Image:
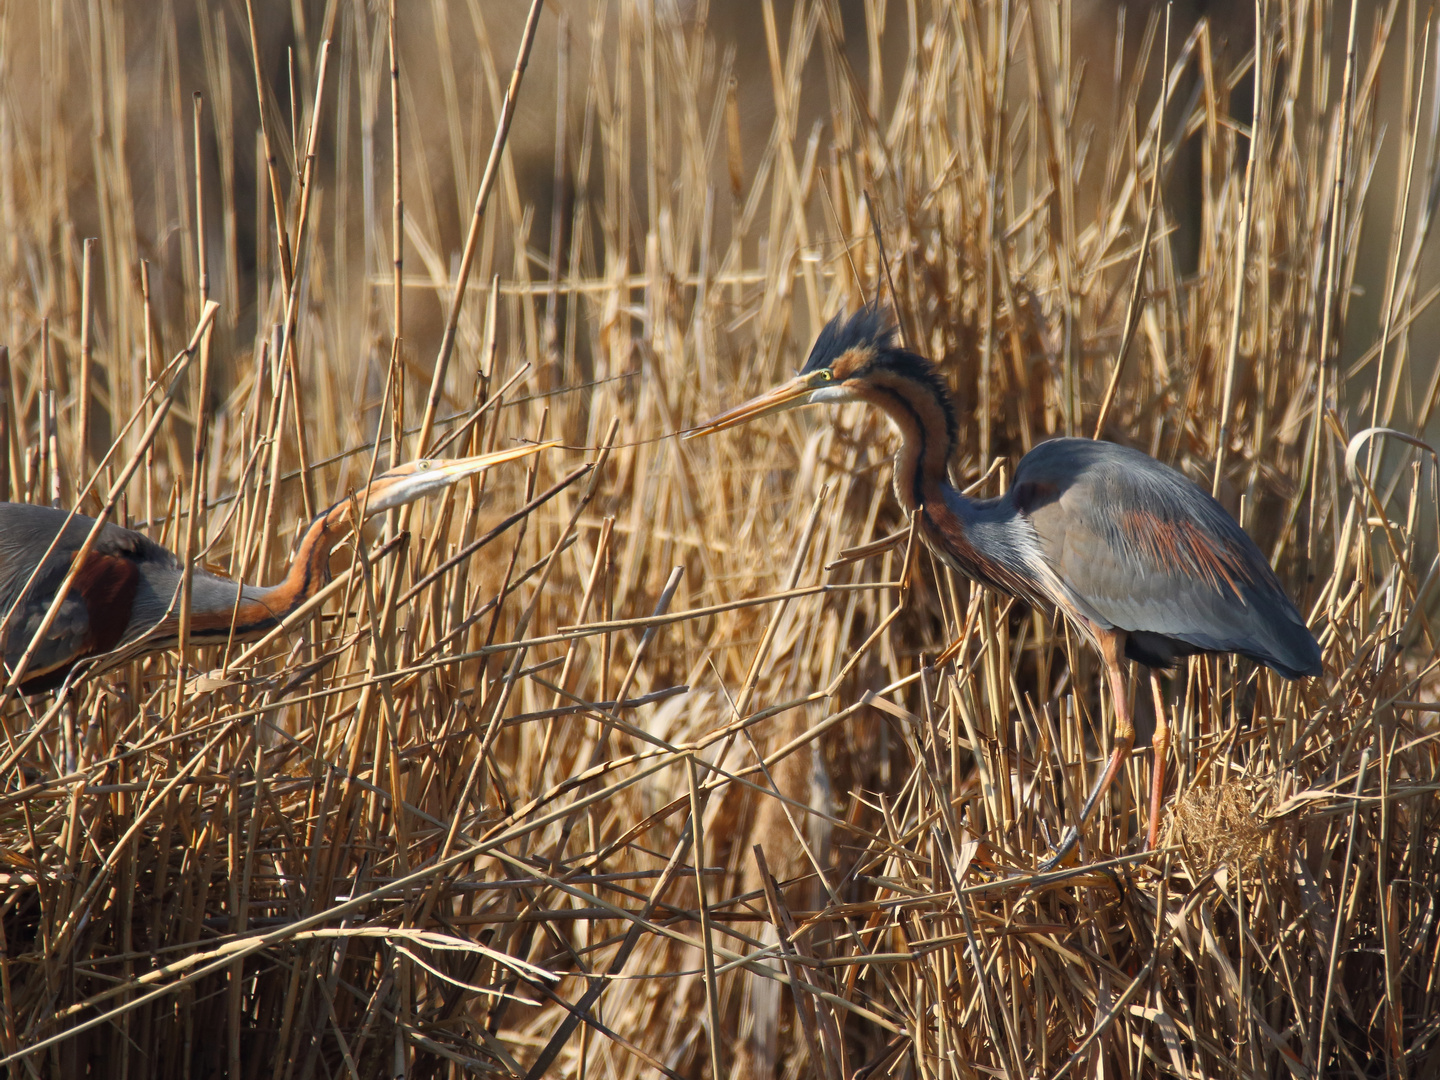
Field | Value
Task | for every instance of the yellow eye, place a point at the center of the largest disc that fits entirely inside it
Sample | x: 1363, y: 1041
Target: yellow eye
x: 826, y: 375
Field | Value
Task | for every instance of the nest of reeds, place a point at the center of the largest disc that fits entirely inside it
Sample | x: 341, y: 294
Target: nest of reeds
x: 1223, y: 825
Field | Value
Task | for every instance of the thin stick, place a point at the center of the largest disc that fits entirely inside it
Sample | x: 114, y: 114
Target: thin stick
x: 1341, y: 908
x: 5, y: 425
x: 885, y: 263
x: 149, y: 315
x: 49, y: 441
x: 202, y: 262
x: 1329, y: 298
x: 397, y: 263
x: 559, y: 191
x: 1137, y: 304
x: 472, y: 238
x: 397, y: 213
x: 87, y: 378
x: 286, y: 351
x: 263, y: 101
x: 697, y: 847
x: 992, y: 227
x: 1242, y: 249
x: 202, y: 411
x: 785, y: 929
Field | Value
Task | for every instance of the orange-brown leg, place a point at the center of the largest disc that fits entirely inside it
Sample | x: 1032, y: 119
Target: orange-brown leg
x: 1112, y: 648
x: 1160, y: 743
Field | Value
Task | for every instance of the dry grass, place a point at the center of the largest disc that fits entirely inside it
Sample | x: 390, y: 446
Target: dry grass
x: 463, y: 821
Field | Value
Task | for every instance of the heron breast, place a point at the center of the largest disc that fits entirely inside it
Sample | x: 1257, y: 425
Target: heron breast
x: 106, y: 584
x: 946, y: 534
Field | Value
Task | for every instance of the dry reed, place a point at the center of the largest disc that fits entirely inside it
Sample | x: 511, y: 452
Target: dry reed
x: 655, y: 780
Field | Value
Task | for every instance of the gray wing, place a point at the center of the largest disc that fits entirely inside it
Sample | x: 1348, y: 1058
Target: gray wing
x: 1146, y: 551
x: 66, y: 639
x: 98, y: 608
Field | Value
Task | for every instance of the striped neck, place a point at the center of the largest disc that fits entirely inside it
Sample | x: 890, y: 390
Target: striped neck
x: 913, y: 394
x: 309, y: 571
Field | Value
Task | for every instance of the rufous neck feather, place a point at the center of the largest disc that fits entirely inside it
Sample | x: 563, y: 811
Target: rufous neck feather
x: 310, y: 569
x: 921, y: 412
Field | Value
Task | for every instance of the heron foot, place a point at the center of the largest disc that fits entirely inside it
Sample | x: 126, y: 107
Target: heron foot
x: 1061, y: 853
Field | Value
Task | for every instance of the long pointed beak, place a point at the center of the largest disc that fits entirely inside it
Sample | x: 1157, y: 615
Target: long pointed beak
x: 785, y: 396
x: 453, y: 469
x: 408, y: 482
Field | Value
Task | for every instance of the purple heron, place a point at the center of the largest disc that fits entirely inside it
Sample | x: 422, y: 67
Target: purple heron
x: 1142, y: 562
x: 128, y: 587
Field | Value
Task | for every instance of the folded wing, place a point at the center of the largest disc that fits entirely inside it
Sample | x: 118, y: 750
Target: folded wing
x: 1146, y: 551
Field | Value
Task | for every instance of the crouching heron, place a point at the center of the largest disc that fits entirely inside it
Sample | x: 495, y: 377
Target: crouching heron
x: 126, y: 592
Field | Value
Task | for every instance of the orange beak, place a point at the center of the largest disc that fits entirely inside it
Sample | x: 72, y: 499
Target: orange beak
x: 787, y: 395
x: 410, y: 481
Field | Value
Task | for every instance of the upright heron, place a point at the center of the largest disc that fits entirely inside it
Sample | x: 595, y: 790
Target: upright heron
x: 126, y: 592
x: 1145, y: 564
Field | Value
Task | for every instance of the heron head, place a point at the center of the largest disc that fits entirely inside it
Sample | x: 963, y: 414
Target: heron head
x: 844, y: 355
x: 406, y: 483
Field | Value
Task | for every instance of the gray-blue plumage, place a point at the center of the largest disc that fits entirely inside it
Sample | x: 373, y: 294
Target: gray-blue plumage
x: 1138, y: 558
x: 131, y: 591
x: 1104, y: 532
x: 1140, y: 548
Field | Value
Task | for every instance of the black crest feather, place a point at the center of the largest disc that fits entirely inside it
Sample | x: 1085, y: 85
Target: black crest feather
x: 869, y: 328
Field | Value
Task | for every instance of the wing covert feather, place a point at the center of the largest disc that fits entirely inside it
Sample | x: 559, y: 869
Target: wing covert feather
x: 108, y: 582
x: 1150, y: 553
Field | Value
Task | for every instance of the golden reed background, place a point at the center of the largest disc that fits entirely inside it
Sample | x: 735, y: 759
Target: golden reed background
x: 416, y: 836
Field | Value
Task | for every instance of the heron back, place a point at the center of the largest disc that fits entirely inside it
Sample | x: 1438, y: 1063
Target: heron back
x: 1148, y: 552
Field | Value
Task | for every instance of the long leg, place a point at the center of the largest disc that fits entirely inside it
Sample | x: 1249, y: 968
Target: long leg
x: 1160, y: 743
x: 1112, y: 646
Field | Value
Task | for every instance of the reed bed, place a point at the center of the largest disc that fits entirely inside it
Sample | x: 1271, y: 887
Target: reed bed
x: 661, y: 778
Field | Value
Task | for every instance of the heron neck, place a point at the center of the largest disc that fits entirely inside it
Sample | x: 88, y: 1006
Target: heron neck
x: 310, y: 568
x: 221, y: 607
x: 926, y: 424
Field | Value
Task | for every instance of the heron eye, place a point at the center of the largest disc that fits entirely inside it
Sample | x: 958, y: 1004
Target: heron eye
x: 826, y: 375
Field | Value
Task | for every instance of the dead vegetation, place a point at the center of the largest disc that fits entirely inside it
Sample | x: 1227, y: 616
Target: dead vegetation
x: 655, y: 781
